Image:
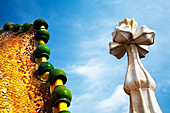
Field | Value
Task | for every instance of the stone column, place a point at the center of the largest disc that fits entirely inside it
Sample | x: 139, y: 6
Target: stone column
x: 139, y: 85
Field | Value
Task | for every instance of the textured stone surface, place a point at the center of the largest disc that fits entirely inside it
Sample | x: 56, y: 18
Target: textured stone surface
x: 139, y: 85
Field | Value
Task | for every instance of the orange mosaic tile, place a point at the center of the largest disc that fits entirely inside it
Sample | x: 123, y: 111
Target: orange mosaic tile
x: 18, y: 90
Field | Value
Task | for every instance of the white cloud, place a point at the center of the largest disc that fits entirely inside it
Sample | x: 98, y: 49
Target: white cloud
x: 163, y: 86
x: 84, y: 102
x: 93, y: 71
x: 90, y: 69
x: 96, y: 47
x: 113, y: 103
x: 96, y: 64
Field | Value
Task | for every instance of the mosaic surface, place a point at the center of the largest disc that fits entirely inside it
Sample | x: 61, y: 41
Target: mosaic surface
x: 20, y: 92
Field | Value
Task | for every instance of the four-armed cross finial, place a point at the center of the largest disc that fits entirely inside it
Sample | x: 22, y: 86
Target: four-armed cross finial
x: 139, y: 85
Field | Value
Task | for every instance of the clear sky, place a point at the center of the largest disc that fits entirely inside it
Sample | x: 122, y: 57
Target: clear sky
x: 80, y: 34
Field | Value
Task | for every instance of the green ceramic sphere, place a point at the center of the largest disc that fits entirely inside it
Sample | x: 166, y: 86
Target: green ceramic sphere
x: 44, y: 67
x: 42, y: 34
x: 40, y: 22
x: 64, y: 111
x: 27, y: 26
x: 42, y: 51
x: 8, y: 26
x: 16, y: 27
x: 55, y: 74
x: 61, y: 94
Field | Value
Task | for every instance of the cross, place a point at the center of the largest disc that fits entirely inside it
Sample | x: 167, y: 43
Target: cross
x: 139, y: 84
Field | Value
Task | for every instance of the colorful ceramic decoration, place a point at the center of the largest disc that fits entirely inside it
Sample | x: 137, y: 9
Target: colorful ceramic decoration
x: 27, y: 80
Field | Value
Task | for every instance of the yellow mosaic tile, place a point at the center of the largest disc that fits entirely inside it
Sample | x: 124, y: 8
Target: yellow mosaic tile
x: 18, y: 94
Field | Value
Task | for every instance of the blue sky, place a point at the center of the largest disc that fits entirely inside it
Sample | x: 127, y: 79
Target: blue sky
x: 80, y: 34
